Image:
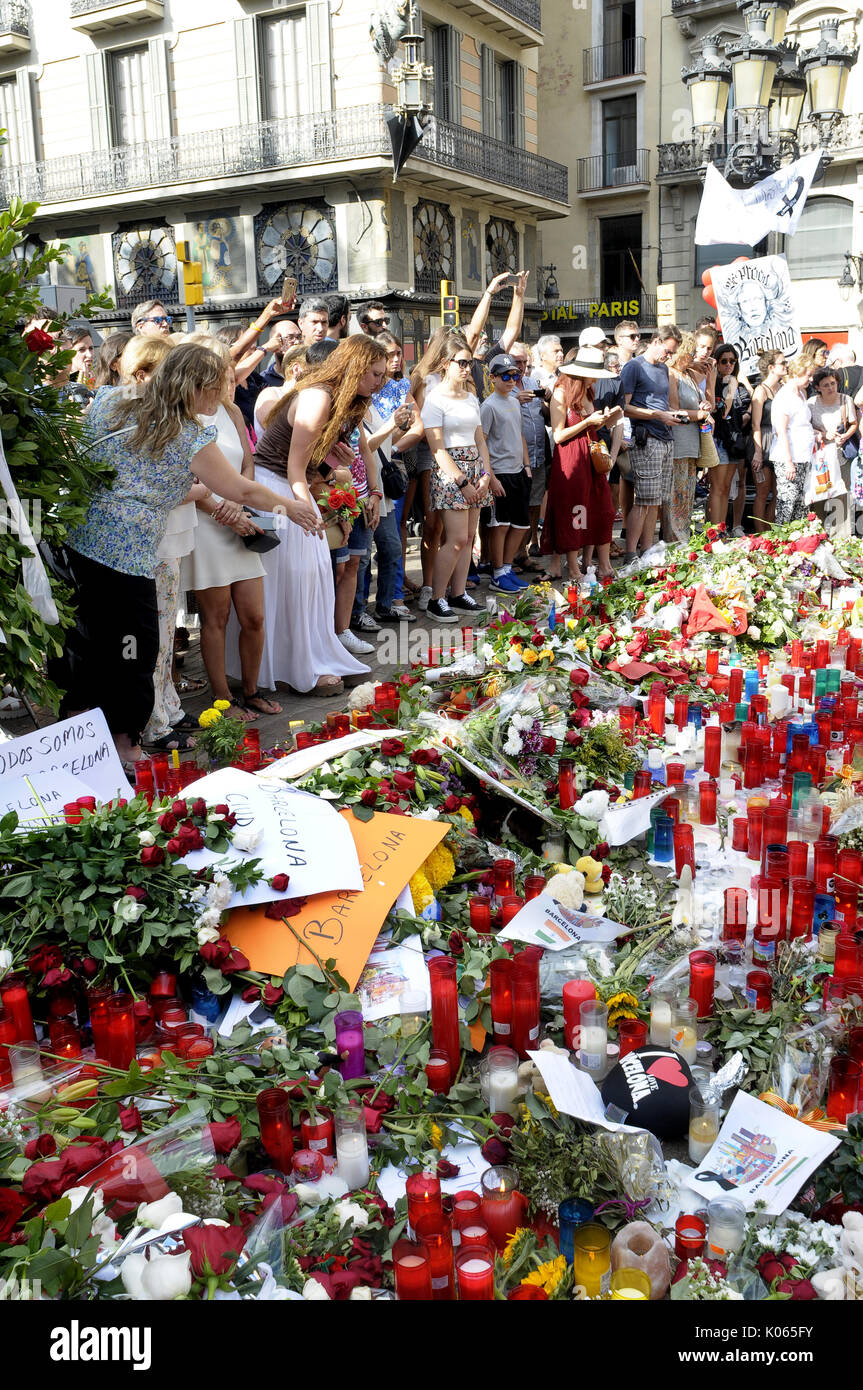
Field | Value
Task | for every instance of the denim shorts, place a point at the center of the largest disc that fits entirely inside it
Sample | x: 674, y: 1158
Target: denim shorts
x: 360, y: 538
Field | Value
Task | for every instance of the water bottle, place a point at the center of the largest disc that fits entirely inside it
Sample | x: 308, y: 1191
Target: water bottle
x: 589, y: 583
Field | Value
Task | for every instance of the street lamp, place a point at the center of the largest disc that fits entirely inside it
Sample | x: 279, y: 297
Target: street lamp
x: 413, y: 80
x: 775, y: 13
x: 754, y: 60
x: 788, y: 96
x: 550, y: 290
x: 852, y: 275
x: 708, y: 82
x: 826, y: 68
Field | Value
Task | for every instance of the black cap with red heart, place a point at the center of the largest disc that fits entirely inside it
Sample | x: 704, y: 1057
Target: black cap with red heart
x: 652, y: 1086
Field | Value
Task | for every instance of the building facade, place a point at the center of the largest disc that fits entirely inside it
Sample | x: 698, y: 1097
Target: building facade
x: 256, y: 131
x: 831, y: 221
x: 599, y: 110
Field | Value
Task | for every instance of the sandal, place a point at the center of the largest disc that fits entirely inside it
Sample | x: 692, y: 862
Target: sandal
x: 615, y: 549
x: 247, y: 702
x: 188, y: 686
x: 188, y: 722
x: 176, y: 741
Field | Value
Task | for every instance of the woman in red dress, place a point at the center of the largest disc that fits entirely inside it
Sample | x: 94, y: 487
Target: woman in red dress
x: 579, y: 510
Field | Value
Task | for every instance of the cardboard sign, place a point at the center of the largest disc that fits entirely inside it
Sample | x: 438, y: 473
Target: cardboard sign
x: 301, y: 835
x: 342, y: 926
x: 81, y: 747
x: 543, y: 922
x: 39, y: 800
x: 755, y: 304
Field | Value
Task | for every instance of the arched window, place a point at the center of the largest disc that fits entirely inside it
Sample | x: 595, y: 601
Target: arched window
x: 817, y: 249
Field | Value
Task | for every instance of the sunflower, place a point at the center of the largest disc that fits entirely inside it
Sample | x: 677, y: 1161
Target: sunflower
x: 514, y: 1243
x: 623, y: 1004
x: 437, y: 1137
x: 548, y: 1276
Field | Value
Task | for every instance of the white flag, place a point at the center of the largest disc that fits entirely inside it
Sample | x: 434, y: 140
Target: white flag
x: 745, y: 216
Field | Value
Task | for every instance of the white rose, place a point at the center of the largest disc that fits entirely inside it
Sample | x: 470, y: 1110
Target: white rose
x: 246, y: 840
x: 214, y: 817
x: 567, y: 889
x: 754, y: 632
x: 352, y: 1211
x: 78, y: 1195
x: 207, y: 935
x: 152, y: 1214
x: 165, y: 1277
x: 308, y: 1194
x: 128, y: 909
x: 132, y: 1275
x: 362, y: 696
x: 313, y: 1292
x: 361, y: 1294
x: 146, y: 837
x: 5, y: 960
x: 593, y: 805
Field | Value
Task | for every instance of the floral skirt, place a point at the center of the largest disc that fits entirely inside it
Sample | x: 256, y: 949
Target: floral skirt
x: 445, y: 495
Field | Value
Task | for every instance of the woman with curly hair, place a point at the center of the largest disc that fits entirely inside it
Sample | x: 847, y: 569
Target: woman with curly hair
x: 305, y: 439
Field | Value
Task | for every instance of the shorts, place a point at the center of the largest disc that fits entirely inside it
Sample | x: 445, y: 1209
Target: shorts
x: 652, y: 471
x: 512, y: 508
x: 445, y: 495
x: 424, y: 458
x: 538, y: 484
x: 358, y: 543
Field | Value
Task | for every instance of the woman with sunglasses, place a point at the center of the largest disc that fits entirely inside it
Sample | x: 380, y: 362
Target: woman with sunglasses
x: 460, y: 479
x: 732, y: 415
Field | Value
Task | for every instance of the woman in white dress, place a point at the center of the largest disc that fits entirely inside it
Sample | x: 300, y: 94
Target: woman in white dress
x: 305, y: 437
x: 223, y: 572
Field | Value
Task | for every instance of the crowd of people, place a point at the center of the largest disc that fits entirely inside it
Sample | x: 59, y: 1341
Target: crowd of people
x: 510, y: 462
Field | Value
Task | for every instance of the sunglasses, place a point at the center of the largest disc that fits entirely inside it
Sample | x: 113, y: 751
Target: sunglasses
x: 378, y: 322
x: 724, y: 360
x: 507, y: 376
x: 462, y: 361
x: 158, y: 319
x: 630, y: 335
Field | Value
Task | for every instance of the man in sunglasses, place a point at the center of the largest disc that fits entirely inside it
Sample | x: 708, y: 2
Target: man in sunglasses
x: 373, y: 319
x: 151, y: 318
x: 500, y: 414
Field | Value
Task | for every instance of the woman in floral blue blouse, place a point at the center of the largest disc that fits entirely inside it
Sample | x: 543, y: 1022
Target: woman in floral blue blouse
x: 155, y: 442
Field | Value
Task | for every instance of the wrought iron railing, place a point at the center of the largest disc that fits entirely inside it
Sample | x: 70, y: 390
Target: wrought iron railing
x: 528, y: 11
x: 85, y: 6
x: 623, y: 59
x: 15, y: 17
x: 842, y: 138
x: 351, y: 133
x: 618, y: 170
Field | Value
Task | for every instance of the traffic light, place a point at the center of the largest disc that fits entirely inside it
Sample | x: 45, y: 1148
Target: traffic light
x: 448, y: 304
x: 191, y: 284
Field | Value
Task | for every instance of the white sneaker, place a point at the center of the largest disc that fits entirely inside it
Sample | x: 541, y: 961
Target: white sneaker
x: 423, y: 600
x: 353, y: 644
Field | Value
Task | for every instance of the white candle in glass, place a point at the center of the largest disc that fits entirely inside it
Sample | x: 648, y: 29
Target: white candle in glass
x: 593, y: 1042
x: 703, y: 1133
x: 660, y: 1023
x: 685, y: 1041
x: 503, y: 1090
x: 352, y: 1153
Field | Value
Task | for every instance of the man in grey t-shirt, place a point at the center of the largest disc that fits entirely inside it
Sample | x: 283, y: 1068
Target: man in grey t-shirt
x: 500, y: 414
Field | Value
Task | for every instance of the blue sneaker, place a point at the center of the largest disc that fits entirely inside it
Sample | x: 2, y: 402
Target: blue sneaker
x: 517, y: 580
x: 506, y: 584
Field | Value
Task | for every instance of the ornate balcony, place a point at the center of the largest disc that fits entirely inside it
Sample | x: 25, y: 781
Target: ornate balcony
x: 608, y: 173
x: 517, y: 20
x: 15, y: 22
x: 94, y: 16
x: 687, y: 158
x: 612, y: 61
x: 328, y: 137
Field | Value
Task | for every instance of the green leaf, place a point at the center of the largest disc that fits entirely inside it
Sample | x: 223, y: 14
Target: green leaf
x: 361, y: 812
x: 19, y: 886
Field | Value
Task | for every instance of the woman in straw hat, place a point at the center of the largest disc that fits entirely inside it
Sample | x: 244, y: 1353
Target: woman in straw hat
x: 579, y: 508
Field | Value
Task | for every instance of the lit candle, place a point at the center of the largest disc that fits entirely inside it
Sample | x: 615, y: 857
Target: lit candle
x: 703, y: 1126
x: 412, y: 1270
x: 633, y: 1285
x: 660, y: 1015
x: 684, y: 1034
x: 591, y: 1258
x: 503, y: 1207
x: 727, y: 1227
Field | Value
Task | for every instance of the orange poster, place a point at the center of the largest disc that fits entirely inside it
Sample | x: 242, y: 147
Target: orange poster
x: 341, y: 926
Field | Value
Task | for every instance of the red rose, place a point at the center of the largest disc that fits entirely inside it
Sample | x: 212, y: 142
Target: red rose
x: 602, y: 850
x: 215, y: 953
x: 38, y: 341
x: 214, y: 1249
x: 391, y: 747
x: 251, y: 994
x: 225, y: 811
x: 708, y: 549
x: 405, y: 781
x: 43, y: 1147
x: 152, y: 855
x: 271, y: 994
x: 573, y: 739
x: 12, y: 1207
x: 537, y: 639
x: 175, y: 847
x: 606, y: 873
x: 198, y: 807
x: 56, y: 977
x: 89, y: 966
x: 167, y: 822
x: 369, y: 796
x: 802, y: 1291
x: 604, y: 642
x: 139, y: 894
x: 578, y: 677
x: 284, y: 907
x: 770, y: 1268
x: 452, y: 803
x: 279, y: 882
x: 225, y: 1134
x: 456, y: 943
x: 130, y: 1118
x: 494, y: 1151
x: 374, y: 1120
x: 549, y: 744
x: 445, y: 1169
x: 190, y: 838
x: 425, y: 757
x: 712, y: 533
x: 44, y: 958
x: 693, y: 555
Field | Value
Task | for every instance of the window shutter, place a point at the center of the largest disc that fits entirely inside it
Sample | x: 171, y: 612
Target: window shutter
x: 489, y: 93
x: 320, y: 58
x: 245, y: 57
x: 518, y: 134
x: 455, y: 38
x: 97, y: 100
x: 160, y: 88
x: 26, y: 124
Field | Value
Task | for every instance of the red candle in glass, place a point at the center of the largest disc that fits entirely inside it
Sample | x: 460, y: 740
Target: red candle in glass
x: 444, y: 1008
x: 163, y: 985
x: 740, y: 834
x: 575, y: 993
x: 822, y: 653
x: 775, y: 824
x: 642, y: 783
x: 798, y: 858
x: 16, y: 1001
x: 160, y: 770
x: 534, y: 884
x: 796, y: 652
x: 755, y: 817
x: 500, y: 980
x: 713, y: 749
x: 805, y: 689
x: 690, y: 1237
x: 802, y: 908
x: 736, y: 909
x: 436, y: 1235
x: 566, y: 793
x: 702, y: 979
x: 65, y: 1041
x: 480, y: 914
x: 318, y: 1132
x: 707, y: 803
x: 475, y: 1236
x: 308, y: 1165
x: 656, y: 707
x: 87, y: 803
x: 849, y: 866
x: 185, y: 1034
x: 439, y: 1072
x: 843, y: 1088
x: 97, y: 1003
x: 855, y: 1043
x: 675, y: 774
x: 711, y: 664
x: 684, y: 849
x: 72, y: 813
x: 424, y: 1198
x: 848, y: 958
x: 475, y: 1274
x: 631, y: 1033
x: 671, y: 807
x: 120, y: 1031
x: 509, y: 908
x: 504, y: 877
x: 144, y: 776
x: 274, y: 1115
x: 753, y: 765
x: 735, y: 685
x: 503, y: 1207
x: 412, y: 1271
x: 525, y: 1006
x: 626, y: 715
x: 681, y: 710
x: 759, y: 991
x: 8, y: 1034
x: 199, y: 1048
x: 466, y: 1210
x: 824, y: 871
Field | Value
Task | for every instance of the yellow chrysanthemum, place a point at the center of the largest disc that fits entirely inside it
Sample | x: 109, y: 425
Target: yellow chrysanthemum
x: 437, y: 1137
x: 221, y: 704
x: 421, y: 892
x: 439, y: 868
x: 510, y: 1250
x: 466, y: 814
x: 548, y: 1276
x: 208, y: 717
x: 581, y: 644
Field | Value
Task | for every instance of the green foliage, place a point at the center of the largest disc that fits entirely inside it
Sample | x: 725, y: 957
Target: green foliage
x: 42, y: 438
x: 842, y: 1172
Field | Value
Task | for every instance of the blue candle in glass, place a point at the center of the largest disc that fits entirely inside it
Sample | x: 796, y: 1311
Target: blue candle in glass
x: 663, y: 839
x: 350, y: 1044
x: 572, y: 1213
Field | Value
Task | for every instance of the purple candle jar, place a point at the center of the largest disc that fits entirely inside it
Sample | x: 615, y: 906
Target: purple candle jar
x: 350, y: 1044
